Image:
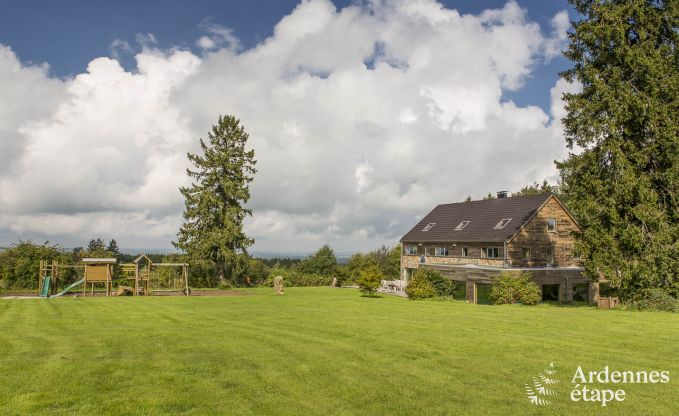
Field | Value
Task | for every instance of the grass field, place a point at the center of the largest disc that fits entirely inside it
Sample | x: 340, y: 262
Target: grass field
x: 318, y: 351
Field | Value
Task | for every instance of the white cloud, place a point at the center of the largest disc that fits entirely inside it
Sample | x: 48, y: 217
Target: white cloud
x: 28, y: 93
x: 559, y: 39
x: 362, y: 119
x: 119, y: 48
x: 218, y: 37
x: 147, y: 40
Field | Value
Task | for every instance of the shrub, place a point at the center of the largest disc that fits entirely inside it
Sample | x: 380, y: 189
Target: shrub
x: 294, y: 278
x: 370, y: 280
x: 443, y: 286
x: 420, y: 287
x: 510, y: 288
x: 654, y: 299
x: 225, y: 285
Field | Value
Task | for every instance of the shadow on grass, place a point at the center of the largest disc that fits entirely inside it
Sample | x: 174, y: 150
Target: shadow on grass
x: 372, y: 295
x: 575, y: 304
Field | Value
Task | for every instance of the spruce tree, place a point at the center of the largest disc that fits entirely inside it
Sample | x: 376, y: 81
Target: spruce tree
x: 215, y: 202
x: 621, y: 179
x: 113, y: 248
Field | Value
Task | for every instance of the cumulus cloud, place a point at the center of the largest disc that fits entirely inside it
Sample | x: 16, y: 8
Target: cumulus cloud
x: 362, y: 120
x: 560, y: 25
x: 218, y: 37
x: 28, y: 93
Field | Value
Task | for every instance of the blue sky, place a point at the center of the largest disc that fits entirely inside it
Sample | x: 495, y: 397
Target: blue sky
x: 70, y: 33
x: 363, y: 115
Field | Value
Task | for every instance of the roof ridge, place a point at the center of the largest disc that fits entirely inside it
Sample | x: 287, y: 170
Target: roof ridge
x: 546, y: 194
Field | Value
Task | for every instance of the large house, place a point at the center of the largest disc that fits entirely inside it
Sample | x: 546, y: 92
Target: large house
x: 473, y: 241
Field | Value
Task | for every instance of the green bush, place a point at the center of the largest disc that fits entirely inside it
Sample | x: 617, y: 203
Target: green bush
x: 225, y: 285
x: 20, y: 264
x: 510, y: 288
x: 443, y: 286
x: 420, y: 287
x: 370, y: 280
x: 654, y: 299
x: 294, y: 278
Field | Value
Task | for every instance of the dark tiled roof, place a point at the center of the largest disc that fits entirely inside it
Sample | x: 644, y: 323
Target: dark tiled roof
x: 483, y: 216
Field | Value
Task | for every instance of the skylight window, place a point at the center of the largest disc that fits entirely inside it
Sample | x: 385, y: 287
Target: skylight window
x: 429, y: 226
x: 503, y: 223
x: 461, y: 225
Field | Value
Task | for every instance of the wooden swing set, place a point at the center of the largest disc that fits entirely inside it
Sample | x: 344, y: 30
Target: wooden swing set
x: 101, y: 271
x: 141, y: 270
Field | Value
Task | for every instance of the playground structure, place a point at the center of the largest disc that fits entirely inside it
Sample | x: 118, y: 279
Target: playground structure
x: 145, y: 274
x: 49, y: 276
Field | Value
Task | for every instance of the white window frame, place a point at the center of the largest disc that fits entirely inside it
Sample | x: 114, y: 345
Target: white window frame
x: 549, y: 221
x: 429, y: 226
x: 500, y: 224
x: 441, y: 251
x: 485, y: 250
x: 411, y: 250
x: 465, y: 252
x: 461, y: 225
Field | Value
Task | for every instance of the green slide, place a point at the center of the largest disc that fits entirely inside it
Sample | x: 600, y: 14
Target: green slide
x: 45, y: 287
x: 63, y: 292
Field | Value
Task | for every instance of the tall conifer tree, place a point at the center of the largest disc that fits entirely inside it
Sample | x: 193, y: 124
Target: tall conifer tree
x: 622, y: 178
x: 215, y: 202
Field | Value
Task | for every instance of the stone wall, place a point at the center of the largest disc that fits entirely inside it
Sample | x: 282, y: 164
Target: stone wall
x: 538, y: 239
x: 413, y: 262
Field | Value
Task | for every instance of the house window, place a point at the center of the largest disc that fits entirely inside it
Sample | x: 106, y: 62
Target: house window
x: 461, y: 225
x: 429, y: 226
x: 549, y: 256
x: 411, y: 250
x: 441, y: 251
x: 428, y: 251
x: 465, y: 252
x: 525, y: 253
x: 551, y: 224
x: 503, y: 223
x: 491, y: 252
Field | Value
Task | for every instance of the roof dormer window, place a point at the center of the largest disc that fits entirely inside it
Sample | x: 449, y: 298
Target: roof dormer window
x: 503, y: 223
x: 461, y: 225
x: 429, y: 226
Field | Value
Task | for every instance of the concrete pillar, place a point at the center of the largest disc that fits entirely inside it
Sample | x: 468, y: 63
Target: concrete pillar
x: 470, y: 290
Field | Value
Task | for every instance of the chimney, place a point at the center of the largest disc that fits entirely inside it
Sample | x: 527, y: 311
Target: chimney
x: 502, y: 194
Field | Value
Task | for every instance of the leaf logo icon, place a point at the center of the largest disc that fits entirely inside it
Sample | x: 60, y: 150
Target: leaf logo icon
x: 538, y: 390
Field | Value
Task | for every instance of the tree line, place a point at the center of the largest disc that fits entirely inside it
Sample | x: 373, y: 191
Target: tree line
x: 19, y: 266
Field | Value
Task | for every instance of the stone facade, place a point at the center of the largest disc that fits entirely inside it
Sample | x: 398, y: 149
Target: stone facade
x: 535, y: 237
x: 551, y: 261
x: 412, y: 262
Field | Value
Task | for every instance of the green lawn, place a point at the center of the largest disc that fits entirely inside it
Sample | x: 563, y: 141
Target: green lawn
x: 318, y: 351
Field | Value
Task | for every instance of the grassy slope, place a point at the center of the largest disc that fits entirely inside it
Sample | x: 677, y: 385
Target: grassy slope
x: 316, y: 350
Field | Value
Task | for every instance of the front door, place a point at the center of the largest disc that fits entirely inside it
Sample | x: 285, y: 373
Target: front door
x: 482, y: 294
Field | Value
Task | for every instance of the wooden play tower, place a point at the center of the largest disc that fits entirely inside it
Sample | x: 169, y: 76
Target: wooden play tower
x: 103, y: 271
